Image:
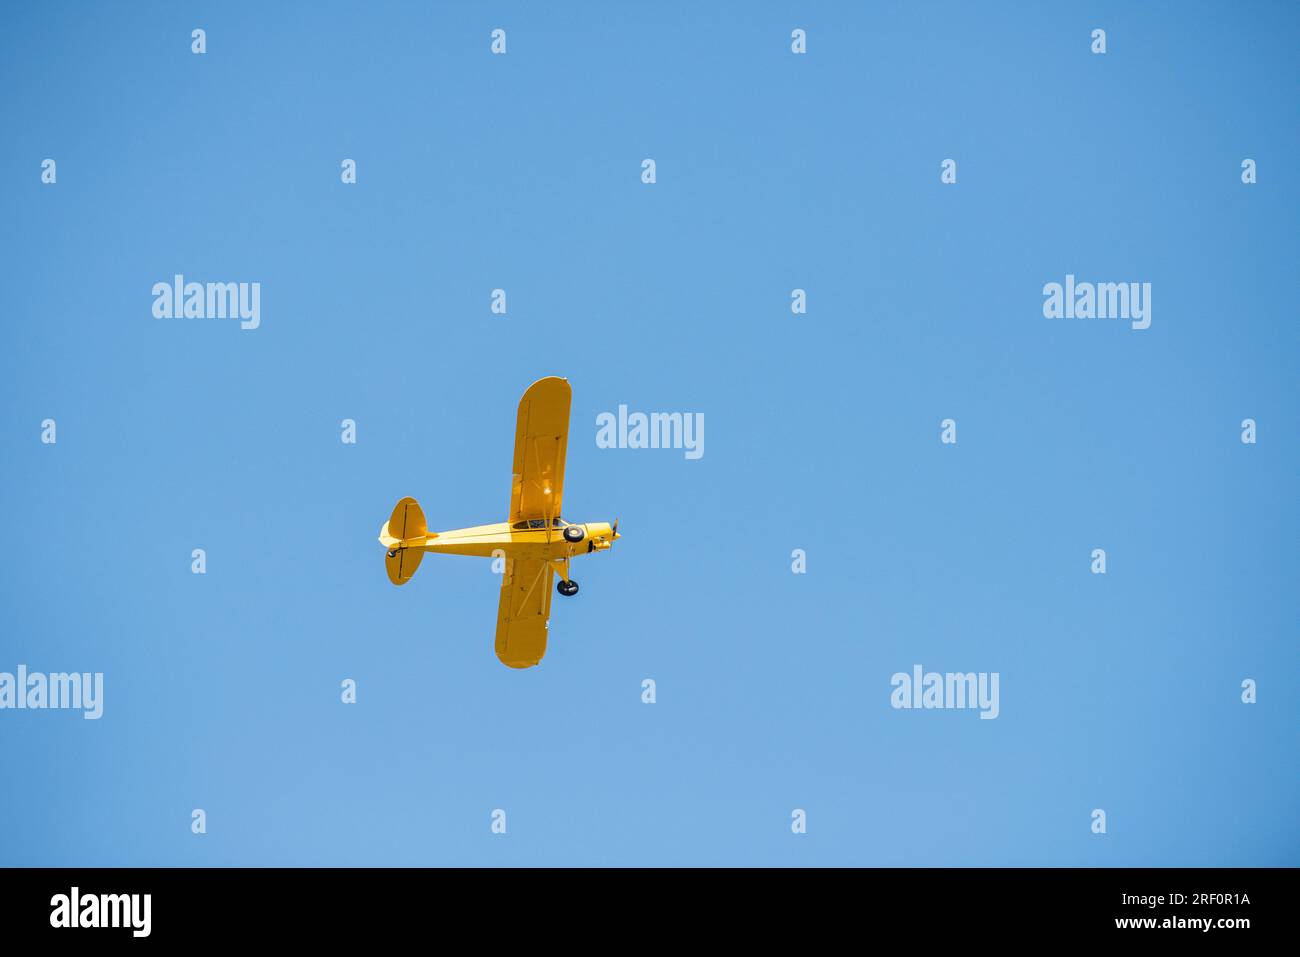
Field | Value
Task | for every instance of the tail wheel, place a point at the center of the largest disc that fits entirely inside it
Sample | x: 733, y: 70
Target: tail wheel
x: 567, y: 589
x: 574, y: 533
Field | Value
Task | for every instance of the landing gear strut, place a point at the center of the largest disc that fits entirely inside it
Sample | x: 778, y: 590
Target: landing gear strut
x: 567, y: 589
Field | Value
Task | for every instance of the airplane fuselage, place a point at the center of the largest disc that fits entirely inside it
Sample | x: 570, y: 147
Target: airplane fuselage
x: 514, y: 541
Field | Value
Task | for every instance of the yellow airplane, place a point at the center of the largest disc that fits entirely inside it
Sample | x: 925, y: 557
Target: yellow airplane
x: 536, y: 542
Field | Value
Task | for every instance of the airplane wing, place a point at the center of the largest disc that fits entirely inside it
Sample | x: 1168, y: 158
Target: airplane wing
x: 541, y: 437
x: 525, y: 606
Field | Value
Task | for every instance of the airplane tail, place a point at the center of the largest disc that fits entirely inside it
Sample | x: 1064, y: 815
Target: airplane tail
x: 402, y: 535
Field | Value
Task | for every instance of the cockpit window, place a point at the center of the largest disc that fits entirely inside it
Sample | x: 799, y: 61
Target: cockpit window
x: 538, y: 523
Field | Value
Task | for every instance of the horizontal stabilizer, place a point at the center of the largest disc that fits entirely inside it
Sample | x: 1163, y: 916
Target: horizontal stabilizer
x: 408, y: 520
x: 402, y: 565
x: 404, y: 535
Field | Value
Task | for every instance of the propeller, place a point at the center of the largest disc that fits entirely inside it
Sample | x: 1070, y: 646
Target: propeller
x: 613, y: 532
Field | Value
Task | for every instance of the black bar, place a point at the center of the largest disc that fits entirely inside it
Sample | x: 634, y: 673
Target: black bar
x: 335, y: 905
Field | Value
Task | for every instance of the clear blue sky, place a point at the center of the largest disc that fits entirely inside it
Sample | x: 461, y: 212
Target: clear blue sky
x: 775, y: 172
